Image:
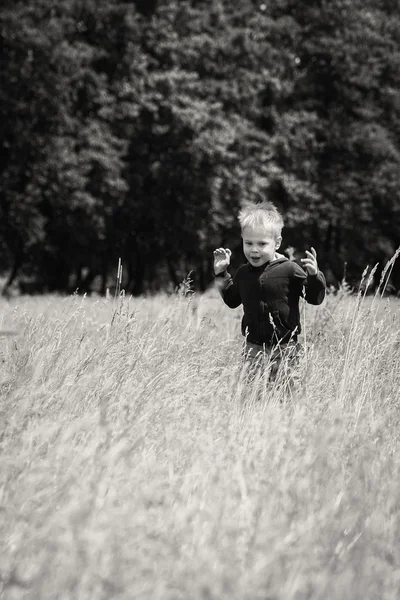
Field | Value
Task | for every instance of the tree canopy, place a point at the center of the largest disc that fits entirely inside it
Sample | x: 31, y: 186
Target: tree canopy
x: 135, y: 130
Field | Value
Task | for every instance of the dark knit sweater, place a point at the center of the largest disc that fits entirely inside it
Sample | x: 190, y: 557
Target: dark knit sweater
x: 270, y: 296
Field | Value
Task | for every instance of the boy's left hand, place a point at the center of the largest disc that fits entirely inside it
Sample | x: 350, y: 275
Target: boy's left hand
x: 310, y: 262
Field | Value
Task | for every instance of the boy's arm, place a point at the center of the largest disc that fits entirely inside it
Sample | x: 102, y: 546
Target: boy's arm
x: 314, y: 285
x: 229, y: 289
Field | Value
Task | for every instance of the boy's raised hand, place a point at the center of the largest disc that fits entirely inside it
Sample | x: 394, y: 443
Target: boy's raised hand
x: 310, y: 262
x: 222, y: 259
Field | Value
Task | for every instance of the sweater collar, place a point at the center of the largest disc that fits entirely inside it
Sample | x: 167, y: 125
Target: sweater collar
x: 278, y: 258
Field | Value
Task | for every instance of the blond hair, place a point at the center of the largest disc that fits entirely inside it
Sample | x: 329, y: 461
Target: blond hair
x: 263, y: 214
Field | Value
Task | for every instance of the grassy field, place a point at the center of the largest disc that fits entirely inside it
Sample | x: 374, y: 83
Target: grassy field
x: 136, y: 464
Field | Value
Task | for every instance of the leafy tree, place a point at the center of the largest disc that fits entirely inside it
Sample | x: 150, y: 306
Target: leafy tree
x: 136, y: 129
x: 348, y: 81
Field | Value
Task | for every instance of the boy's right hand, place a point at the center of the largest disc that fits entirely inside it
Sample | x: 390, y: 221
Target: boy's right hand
x: 222, y: 259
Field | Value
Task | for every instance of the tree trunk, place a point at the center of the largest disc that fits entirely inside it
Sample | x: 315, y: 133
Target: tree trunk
x: 138, y: 276
x: 86, y: 285
x: 17, y: 264
x: 104, y: 277
x: 172, y: 273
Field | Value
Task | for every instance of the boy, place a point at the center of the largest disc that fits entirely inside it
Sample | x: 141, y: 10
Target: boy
x: 269, y: 286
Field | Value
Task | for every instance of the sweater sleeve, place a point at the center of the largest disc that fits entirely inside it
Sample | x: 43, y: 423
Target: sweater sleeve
x: 314, y: 285
x: 229, y: 289
x: 315, y: 288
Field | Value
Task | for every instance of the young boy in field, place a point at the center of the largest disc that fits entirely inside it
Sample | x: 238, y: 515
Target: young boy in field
x: 269, y: 287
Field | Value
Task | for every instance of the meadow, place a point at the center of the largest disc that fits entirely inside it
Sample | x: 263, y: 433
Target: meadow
x: 137, y: 463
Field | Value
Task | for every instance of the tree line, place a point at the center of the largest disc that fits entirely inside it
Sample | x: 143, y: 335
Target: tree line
x: 135, y: 129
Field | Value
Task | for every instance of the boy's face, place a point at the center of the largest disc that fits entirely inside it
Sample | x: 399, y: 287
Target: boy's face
x: 259, y: 245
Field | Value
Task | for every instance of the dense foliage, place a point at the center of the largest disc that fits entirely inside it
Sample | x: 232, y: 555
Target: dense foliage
x: 136, y: 129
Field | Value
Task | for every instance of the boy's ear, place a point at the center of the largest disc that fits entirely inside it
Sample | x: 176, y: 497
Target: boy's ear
x: 278, y: 242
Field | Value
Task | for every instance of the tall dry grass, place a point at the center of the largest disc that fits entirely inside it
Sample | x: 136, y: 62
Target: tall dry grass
x: 135, y: 463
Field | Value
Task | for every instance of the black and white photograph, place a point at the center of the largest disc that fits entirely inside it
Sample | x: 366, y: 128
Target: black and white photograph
x: 199, y: 300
